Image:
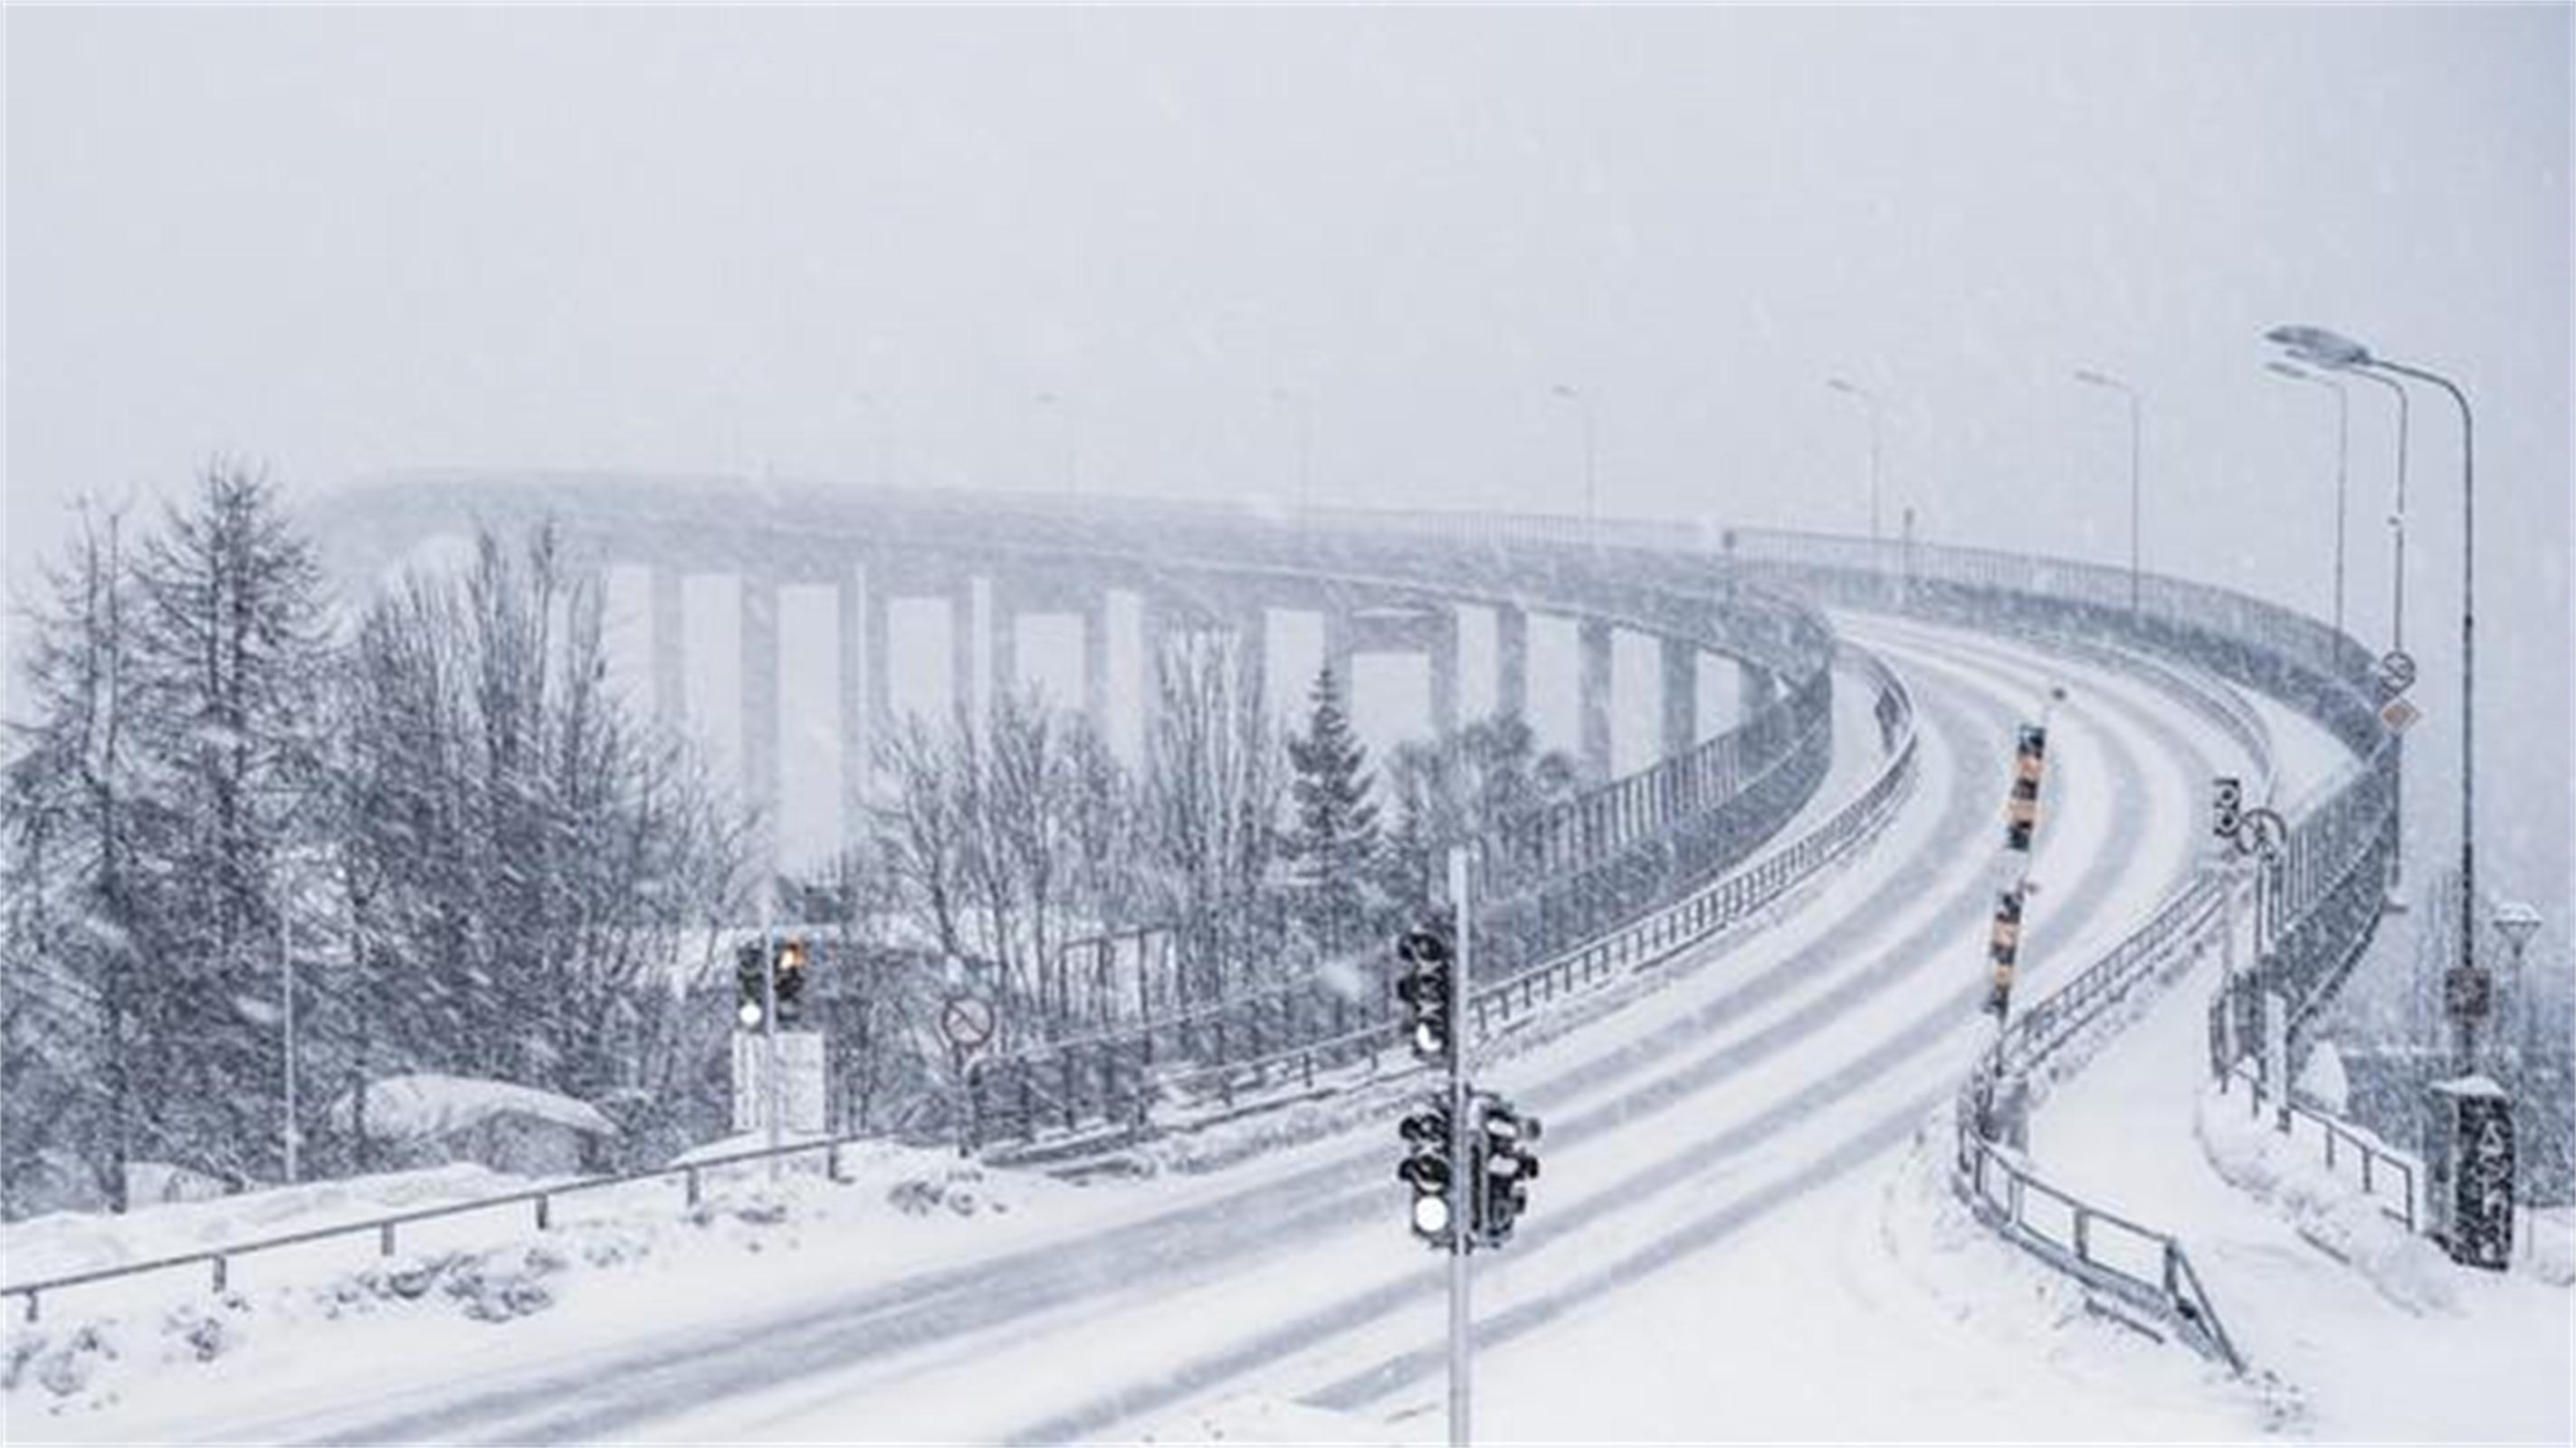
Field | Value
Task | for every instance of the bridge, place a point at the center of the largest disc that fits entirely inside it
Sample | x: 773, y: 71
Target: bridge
x: 1879, y: 680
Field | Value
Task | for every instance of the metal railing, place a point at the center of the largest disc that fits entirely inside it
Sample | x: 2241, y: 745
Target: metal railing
x: 1112, y: 1081
x: 386, y: 1228
x: 2141, y: 1266
x: 2383, y: 1174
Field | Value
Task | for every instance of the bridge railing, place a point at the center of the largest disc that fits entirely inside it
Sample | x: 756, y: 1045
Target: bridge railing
x: 2317, y: 900
x: 2386, y: 1175
x: 1122, y: 1080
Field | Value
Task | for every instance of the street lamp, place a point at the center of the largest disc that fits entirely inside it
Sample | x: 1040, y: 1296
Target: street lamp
x: 2319, y: 347
x: 1591, y: 477
x: 1065, y: 410
x: 2343, y: 457
x: 1869, y: 401
x: 2092, y: 378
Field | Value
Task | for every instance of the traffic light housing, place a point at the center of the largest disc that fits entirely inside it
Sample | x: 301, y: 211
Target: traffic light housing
x: 1424, y: 989
x: 1506, y: 1148
x: 2021, y: 810
x: 2003, y: 950
x: 1427, y: 1169
x: 792, y: 958
x: 751, y: 994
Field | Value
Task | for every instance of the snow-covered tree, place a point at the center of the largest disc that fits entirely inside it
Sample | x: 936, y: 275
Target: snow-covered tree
x: 1335, y: 842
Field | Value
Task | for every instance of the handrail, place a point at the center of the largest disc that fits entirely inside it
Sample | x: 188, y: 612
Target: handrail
x: 2373, y: 1158
x: 386, y: 1225
x: 1125, y: 1085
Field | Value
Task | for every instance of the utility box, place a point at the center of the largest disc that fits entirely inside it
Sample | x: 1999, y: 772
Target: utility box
x: 2468, y: 1170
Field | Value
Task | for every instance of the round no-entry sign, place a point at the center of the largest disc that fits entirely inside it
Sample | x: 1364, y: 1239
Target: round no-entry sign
x: 2396, y: 671
x: 967, y: 1021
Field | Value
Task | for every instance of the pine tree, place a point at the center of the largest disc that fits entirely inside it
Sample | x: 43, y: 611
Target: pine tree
x: 1336, y: 845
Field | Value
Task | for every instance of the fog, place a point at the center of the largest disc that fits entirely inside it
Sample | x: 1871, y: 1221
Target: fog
x: 1137, y: 251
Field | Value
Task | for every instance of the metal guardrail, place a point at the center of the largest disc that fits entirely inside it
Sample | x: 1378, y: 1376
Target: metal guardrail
x: 2148, y: 1269
x: 2375, y: 1164
x: 1112, y: 1081
x: 2318, y: 899
x: 386, y: 1228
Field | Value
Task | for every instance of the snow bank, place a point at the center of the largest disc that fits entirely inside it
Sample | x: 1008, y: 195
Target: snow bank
x: 2327, y: 1210
x: 96, y: 1347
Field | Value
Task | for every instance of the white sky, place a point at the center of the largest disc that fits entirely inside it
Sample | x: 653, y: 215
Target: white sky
x: 345, y: 241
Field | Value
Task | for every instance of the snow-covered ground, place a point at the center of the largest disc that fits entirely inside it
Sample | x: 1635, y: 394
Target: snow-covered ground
x: 1741, y: 1231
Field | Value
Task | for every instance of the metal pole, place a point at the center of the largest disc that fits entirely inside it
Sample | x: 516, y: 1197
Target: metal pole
x: 1461, y: 1190
x: 1591, y: 477
x: 2468, y: 683
x: 2136, y: 425
x: 769, y: 1040
x: 2343, y: 456
x: 286, y: 973
x: 1873, y: 476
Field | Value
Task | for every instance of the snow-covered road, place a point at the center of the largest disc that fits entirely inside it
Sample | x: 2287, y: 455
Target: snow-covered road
x: 1719, y: 1103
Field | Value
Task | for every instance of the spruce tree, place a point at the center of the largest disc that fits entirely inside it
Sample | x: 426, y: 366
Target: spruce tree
x: 1336, y: 842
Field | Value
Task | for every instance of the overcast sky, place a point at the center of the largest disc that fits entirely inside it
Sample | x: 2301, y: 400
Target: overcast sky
x: 350, y: 241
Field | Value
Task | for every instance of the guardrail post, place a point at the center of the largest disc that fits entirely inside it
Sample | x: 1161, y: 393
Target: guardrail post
x: 2083, y: 1234
x: 545, y: 1213
x: 385, y: 1240
x: 832, y: 1163
x: 220, y: 1273
x: 2365, y: 1169
x: 691, y: 1177
x: 1072, y: 1095
x: 31, y: 1307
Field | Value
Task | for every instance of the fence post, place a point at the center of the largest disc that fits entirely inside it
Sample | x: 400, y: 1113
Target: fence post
x: 219, y: 1272
x: 385, y: 1240
x: 832, y: 1163
x: 31, y: 1307
x: 691, y: 1177
x: 543, y: 1213
x: 2365, y: 1171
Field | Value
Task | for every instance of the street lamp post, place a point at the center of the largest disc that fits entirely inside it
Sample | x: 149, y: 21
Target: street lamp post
x: 1869, y: 402
x: 1591, y: 476
x: 2093, y: 378
x: 2321, y: 348
x: 2343, y: 458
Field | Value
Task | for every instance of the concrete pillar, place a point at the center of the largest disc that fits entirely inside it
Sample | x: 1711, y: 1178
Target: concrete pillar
x: 1095, y: 664
x: 878, y: 623
x: 1443, y: 657
x: 1592, y: 648
x: 1252, y: 654
x: 759, y: 619
x: 670, y: 647
x: 1754, y: 688
x: 961, y: 649
x: 1002, y: 648
x: 1681, y: 696
x: 1511, y: 661
x: 857, y: 767
x: 1338, y: 655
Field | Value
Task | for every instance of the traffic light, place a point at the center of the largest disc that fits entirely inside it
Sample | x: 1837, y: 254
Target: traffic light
x: 791, y: 983
x: 2226, y: 806
x: 1426, y: 1169
x: 1506, y: 1147
x: 1424, y: 989
x: 751, y: 987
x: 2005, y: 948
x: 2021, y: 811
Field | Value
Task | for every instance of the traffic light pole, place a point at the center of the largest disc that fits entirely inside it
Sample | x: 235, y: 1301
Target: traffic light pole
x: 769, y: 1040
x: 1461, y: 1184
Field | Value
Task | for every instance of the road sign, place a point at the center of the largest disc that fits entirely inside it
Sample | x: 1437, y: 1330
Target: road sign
x: 967, y: 1021
x: 2396, y: 671
x: 2399, y: 715
x: 2262, y: 833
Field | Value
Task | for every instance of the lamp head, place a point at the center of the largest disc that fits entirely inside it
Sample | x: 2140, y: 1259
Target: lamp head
x: 2517, y: 921
x: 2319, y: 347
